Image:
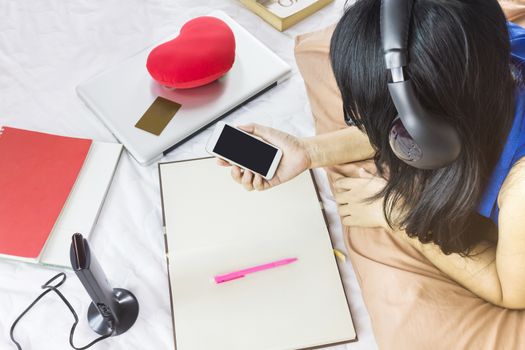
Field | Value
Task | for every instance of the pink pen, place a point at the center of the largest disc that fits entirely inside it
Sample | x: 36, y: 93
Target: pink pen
x: 241, y: 273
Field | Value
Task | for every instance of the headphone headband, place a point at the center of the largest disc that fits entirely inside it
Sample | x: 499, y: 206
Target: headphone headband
x: 395, y: 25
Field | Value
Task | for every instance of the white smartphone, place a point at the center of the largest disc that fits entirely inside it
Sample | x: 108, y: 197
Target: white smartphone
x: 244, y: 150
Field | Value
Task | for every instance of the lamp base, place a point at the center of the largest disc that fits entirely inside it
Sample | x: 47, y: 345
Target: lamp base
x: 127, y: 313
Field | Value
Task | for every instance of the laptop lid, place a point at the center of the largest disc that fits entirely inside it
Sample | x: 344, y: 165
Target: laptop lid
x: 120, y: 96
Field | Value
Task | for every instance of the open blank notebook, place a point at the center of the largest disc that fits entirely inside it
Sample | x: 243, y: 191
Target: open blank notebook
x: 213, y: 226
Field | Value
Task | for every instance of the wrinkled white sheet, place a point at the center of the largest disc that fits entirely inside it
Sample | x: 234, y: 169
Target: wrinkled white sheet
x: 47, y: 47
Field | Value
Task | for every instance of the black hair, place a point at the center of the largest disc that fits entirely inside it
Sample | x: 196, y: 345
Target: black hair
x: 460, y: 65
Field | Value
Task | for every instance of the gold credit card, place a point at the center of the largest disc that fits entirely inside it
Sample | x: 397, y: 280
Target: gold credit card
x: 158, y: 115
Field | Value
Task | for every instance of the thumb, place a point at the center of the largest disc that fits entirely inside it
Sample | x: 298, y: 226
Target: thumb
x: 264, y: 132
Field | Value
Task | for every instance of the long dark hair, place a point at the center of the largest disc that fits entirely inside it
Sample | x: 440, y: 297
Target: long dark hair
x: 460, y: 65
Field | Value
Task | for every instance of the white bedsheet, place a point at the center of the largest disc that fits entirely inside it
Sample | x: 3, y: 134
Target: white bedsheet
x: 47, y: 47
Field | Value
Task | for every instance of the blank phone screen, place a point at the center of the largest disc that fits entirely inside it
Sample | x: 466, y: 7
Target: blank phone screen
x: 245, y: 150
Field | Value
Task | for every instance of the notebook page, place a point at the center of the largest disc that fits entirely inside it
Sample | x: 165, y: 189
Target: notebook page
x: 83, y: 205
x: 213, y: 227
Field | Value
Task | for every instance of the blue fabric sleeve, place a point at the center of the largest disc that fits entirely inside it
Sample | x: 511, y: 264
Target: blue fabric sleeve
x: 517, y: 44
x: 514, y: 148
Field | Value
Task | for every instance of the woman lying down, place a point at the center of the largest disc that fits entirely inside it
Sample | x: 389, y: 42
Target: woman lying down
x: 433, y: 91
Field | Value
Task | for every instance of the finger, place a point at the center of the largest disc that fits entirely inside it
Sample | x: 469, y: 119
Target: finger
x: 343, y: 197
x: 258, y: 130
x: 258, y: 182
x: 274, y: 181
x: 222, y: 162
x: 352, y: 170
x: 247, y: 180
x: 236, y: 174
x: 344, y: 210
x: 338, y: 190
x: 336, y: 180
x: 267, y: 185
x: 370, y: 168
x: 365, y: 174
x: 345, y: 183
x: 348, y: 221
x: 336, y: 177
x: 248, y: 128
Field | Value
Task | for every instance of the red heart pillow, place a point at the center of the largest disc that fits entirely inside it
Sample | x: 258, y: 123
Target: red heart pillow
x: 203, y: 52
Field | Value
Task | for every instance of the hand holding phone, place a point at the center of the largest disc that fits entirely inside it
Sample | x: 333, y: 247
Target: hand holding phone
x: 295, y: 158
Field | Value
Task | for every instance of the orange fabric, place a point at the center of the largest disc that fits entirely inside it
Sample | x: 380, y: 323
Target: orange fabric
x: 411, y: 303
x: 514, y: 10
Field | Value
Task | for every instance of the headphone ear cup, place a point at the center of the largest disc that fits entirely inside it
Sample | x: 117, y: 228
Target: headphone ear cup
x: 402, y: 144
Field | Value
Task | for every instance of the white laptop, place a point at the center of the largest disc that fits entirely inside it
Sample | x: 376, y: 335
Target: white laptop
x: 121, y: 95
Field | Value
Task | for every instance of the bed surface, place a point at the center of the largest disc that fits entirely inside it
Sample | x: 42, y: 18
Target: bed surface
x: 46, y: 49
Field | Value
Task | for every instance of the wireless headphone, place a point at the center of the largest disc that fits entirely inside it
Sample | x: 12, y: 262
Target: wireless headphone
x: 418, y: 137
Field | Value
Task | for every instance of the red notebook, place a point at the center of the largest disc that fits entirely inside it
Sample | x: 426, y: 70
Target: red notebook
x: 37, y: 173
